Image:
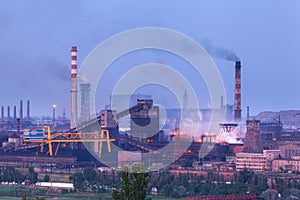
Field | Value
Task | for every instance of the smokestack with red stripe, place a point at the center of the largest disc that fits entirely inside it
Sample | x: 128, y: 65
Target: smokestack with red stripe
x: 73, y: 87
x: 237, y: 102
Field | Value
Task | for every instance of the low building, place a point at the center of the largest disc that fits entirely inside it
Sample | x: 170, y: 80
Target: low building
x: 224, y: 197
x: 292, y: 164
x: 251, y: 161
x: 16, y: 140
x: 257, y: 161
x: 290, y: 150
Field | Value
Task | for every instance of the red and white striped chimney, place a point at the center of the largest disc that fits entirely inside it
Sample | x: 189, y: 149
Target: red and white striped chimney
x: 73, y: 87
x: 237, y: 101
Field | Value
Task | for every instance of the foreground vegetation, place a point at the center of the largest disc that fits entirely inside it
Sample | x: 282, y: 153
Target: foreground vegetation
x: 95, y: 185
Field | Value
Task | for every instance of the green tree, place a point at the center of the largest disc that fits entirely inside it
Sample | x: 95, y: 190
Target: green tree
x: 33, y: 176
x: 90, y: 175
x: 134, y: 184
x: 290, y: 194
x: 9, y: 174
x: 245, y: 176
x: 78, y: 180
x: 179, y: 191
x: 46, y: 178
x: 270, y: 194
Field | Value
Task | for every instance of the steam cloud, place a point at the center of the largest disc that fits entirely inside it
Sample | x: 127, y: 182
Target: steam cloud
x: 219, y: 52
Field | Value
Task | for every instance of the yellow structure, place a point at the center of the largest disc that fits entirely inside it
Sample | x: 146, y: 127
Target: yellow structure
x: 68, y: 137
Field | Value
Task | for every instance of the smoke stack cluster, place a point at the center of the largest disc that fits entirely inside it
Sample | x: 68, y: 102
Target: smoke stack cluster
x: 73, y: 87
x: 14, y: 118
x: 237, y: 101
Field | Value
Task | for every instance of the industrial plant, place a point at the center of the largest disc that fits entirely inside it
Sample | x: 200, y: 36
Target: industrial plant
x: 261, y: 143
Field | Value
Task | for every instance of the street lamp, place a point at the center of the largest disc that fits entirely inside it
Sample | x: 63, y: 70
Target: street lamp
x: 53, y: 118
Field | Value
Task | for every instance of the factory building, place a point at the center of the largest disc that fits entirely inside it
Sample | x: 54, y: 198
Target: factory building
x: 253, y: 142
x: 257, y: 161
x: 144, y: 120
x: 281, y: 165
x: 107, y: 119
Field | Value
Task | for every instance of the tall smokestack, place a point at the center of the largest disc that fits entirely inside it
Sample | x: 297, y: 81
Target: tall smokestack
x: 8, y: 113
x: 248, y: 112
x: 21, y: 109
x: 222, y: 102
x: 237, y: 102
x: 73, y: 87
x: 2, y: 114
x: 15, y: 113
x: 28, y: 110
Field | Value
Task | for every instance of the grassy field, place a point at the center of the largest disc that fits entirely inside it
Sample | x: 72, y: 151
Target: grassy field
x: 16, y: 193
x: 55, y: 177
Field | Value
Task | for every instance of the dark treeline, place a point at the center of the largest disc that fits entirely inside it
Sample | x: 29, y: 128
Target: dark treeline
x: 10, y: 174
x: 175, y: 186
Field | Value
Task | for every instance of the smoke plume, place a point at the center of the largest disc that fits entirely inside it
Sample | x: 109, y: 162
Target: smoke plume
x: 220, y: 52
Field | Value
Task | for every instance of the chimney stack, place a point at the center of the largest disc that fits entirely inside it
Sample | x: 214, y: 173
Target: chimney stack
x: 21, y: 109
x: 8, y: 113
x: 15, y: 113
x: 28, y: 110
x: 237, y: 102
x: 73, y: 87
x: 222, y: 102
x: 248, y: 112
x: 2, y: 114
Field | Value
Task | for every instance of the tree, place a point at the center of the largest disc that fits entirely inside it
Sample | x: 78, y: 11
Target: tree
x: 90, y: 175
x: 245, y: 176
x: 9, y: 174
x: 46, y: 178
x: 134, y: 184
x: 180, y: 191
x: 290, y: 194
x: 270, y: 194
x: 33, y: 176
x: 78, y: 180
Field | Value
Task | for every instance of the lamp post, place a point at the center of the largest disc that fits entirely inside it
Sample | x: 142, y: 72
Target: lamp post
x: 53, y: 118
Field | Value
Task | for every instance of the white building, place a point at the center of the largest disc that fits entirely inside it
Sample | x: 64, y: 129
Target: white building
x: 257, y: 161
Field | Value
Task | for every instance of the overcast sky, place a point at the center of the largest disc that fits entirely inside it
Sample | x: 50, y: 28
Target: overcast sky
x: 36, y: 38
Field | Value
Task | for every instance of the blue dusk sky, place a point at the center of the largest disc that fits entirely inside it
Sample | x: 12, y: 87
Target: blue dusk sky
x: 36, y: 38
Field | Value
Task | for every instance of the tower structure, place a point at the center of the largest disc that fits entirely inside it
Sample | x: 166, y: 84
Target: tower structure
x: 15, y: 113
x: 237, y: 101
x: 2, y: 114
x: 253, y: 142
x: 73, y: 87
x: 21, y: 109
x: 85, y: 89
x: 8, y: 113
x: 28, y: 110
